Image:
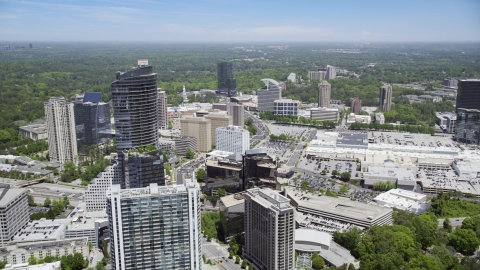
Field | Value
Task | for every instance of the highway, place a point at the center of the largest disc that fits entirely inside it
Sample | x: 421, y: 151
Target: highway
x: 456, y: 222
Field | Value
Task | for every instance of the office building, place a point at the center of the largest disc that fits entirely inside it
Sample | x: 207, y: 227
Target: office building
x: 324, y: 92
x: 184, y: 142
x: 356, y: 106
x: 379, y: 118
x: 96, y: 118
x: 404, y: 200
x: 143, y: 167
x: 34, y: 131
x: 95, y: 193
x: 232, y: 139
x: 233, y: 206
x: 237, y: 112
x: 385, y: 98
x: 317, y: 75
x: 331, y: 73
x: 268, y: 94
x: 218, y: 120
x: 447, y: 121
x: 155, y: 227
x: 162, y: 110
x: 62, y: 139
x: 468, y: 94
x: 468, y: 125
x: 450, y: 82
x: 292, y: 77
x: 18, y: 253
x: 227, y: 84
x: 135, y: 107
x: 324, y: 114
x: 201, y: 129
x: 14, y: 211
x: 286, y: 107
x: 269, y: 230
x: 219, y: 106
x: 258, y: 168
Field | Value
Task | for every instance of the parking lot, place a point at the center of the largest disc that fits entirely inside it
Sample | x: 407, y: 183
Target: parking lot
x: 280, y: 149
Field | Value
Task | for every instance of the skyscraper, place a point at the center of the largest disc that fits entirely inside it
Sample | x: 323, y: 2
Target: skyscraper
x: 155, y: 227
x: 62, y: 139
x: 468, y: 94
x: 268, y: 94
x: 467, y: 129
x: 218, y: 120
x: 331, y: 73
x: 356, y: 105
x: 227, y: 84
x: 201, y: 129
x: 142, y: 168
x: 269, y: 230
x: 135, y: 107
x: 385, y: 98
x: 162, y: 110
x: 96, y: 117
x: 324, y: 92
x: 237, y: 112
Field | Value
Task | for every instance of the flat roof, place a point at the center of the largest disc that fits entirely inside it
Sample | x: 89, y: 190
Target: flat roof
x: 352, y: 139
x: 215, y: 163
x: 406, y: 174
x: 314, y: 236
x: 339, y: 206
x: 9, y: 195
x: 232, y: 200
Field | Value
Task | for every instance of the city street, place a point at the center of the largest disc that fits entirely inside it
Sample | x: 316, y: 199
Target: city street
x: 218, y: 254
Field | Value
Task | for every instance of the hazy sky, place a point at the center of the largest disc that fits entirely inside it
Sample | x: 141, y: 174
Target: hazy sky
x: 240, y: 20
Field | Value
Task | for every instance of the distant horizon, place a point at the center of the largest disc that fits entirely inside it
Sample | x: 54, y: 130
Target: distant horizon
x: 245, y: 21
x: 278, y: 43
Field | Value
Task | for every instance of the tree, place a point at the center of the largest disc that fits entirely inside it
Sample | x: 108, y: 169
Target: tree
x: 344, y: 188
x: 221, y: 192
x: 230, y: 254
x: 90, y: 246
x: 345, y: 176
x: 349, y: 239
x: 250, y: 267
x: 66, y: 201
x: 305, y: 184
x: 237, y: 259
x: 170, y: 125
x: 317, y: 261
x: 31, y: 201
x: 244, y: 264
x: 447, y: 225
x: 201, y: 175
x: 189, y: 154
x: 32, y: 261
x: 464, y: 240
x: 47, y: 202
x: 324, y: 172
x: 99, y: 266
x: 334, y: 172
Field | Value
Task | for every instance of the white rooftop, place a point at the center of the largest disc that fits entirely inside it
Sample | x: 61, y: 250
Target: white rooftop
x: 403, y: 199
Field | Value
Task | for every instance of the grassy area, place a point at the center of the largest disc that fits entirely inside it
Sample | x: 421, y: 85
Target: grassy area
x: 446, y: 205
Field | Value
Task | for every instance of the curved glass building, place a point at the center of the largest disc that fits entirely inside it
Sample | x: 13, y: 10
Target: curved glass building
x: 135, y: 107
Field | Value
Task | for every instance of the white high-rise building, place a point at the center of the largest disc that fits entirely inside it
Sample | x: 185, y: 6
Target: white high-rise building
x: 156, y: 227
x: 269, y: 230
x: 95, y: 194
x: 162, y: 110
x: 233, y: 139
x: 331, y: 73
x: 62, y: 138
x: 267, y: 95
x: 292, y: 77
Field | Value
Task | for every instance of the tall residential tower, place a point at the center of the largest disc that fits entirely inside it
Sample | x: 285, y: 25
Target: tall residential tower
x: 62, y: 138
x: 324, y: 91
x: 269, y: 230
x: 385, y: 98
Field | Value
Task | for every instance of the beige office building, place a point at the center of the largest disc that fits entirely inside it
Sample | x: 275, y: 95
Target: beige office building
x: 324, y: 90
x: 237, y: 112
x: 317, y: 75
x: 218, y: 120
x: 201, y: 129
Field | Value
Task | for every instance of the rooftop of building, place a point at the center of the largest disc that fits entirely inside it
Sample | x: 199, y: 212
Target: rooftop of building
x: 345, y: 138
x: 324, y: 109
x: 8, y: 194
x: 303, y: 236
x: 269, y: 198
x: 35, y: 128
x: 403, y: 199
x: 405, y: 174
x: 337, y: 255
x: 25, y: 266
x: 231, y: 165
x: 231, y: 127
x: 152, y: 190
x: 233, y: 199
x: 285, y: 100
x: 338, y: 206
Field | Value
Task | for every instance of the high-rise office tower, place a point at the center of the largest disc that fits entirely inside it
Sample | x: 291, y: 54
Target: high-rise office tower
x: 468, y: 94
x: 268, y: 94
x: 237, y: 112
x: 385, y: 99
x: 201, y: 129
x: 14, y: 212
x: 162, y: 110
x: 232, y: 139
x: 218, y: 120
x: 62, y: 139
x: 135, y: 107
x: 467, y: 129
x: 331, y: 73
x: 142, y: 168
x: 227, y: 84
x: 96, y: 118
x: 356, y: 106
x: 155, y: 227
x: 269, y: 230
x: 324, y: 92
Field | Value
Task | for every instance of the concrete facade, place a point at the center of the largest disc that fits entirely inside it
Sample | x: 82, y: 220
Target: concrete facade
x: 233, y: 139
x: 201, y: 129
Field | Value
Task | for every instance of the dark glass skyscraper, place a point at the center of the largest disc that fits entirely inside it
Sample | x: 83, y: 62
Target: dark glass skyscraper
x: 227, y: 84
x: 135, y: 103
x: 143, y: 169
x: 468, y: 94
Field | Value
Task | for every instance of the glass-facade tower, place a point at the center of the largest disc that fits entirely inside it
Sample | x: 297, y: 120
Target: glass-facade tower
x: 227, y: 84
